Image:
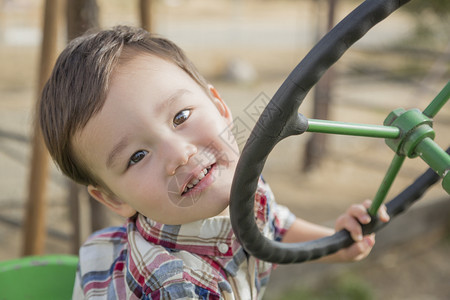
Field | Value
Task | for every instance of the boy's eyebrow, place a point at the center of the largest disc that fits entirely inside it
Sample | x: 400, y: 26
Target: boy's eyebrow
x: 168, y: 102
x: 115, y: 151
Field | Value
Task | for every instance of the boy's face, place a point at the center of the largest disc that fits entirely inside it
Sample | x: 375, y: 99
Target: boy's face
x: 161, y: 145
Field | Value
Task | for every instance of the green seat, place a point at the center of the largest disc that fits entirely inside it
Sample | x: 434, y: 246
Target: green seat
x: 38, y: 277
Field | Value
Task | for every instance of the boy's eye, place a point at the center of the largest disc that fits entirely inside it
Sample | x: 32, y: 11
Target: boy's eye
x: 137, y: 157
x: 181, y: 117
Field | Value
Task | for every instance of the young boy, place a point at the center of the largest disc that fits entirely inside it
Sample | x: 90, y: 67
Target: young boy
x: 127, y: 114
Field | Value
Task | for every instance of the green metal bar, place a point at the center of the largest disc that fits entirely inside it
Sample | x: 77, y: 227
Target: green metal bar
x: 434, y: 156
x: 438, y: 102
x: 379, y: 131
x: 396, y: 163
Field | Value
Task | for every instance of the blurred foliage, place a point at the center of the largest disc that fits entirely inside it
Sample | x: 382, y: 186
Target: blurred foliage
x: 440, y: 8
x: 431, y: 20
x: 423, y: 53
x: 345, y: 287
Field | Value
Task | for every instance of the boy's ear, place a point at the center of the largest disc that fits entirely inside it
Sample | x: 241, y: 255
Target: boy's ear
x: 220, y: 104
x: 116, y: 205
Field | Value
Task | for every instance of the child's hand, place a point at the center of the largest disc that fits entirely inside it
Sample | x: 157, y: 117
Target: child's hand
x: 349, y: 221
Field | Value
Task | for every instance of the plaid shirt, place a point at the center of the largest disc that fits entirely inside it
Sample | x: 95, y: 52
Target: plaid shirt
x: 199, y: 260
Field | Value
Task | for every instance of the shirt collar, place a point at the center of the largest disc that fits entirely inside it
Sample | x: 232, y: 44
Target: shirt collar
x: 212, y: 237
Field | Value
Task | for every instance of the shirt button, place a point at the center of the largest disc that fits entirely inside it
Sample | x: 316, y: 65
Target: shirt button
x: 223, y: 248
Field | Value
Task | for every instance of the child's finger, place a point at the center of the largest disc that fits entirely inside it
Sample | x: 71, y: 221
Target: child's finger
x: 370, y: 240
x: 367, y: 203
x: 382, y: 211
x: 359, y: 212
x: 351, y: 225
x: 382, y: 214
x: 359, y: 250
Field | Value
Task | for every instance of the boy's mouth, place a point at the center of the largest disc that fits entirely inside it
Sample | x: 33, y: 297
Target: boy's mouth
x: 194, y: 181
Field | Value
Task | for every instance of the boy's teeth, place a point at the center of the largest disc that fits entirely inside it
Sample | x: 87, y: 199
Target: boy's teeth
x: 194, y: 181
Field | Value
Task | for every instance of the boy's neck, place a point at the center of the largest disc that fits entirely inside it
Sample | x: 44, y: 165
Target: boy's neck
x: 225, y: 212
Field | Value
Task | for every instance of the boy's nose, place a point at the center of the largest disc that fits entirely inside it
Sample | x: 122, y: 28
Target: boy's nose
x: 178, y: 155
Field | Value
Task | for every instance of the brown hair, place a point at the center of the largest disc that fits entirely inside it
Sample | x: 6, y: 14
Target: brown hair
x: 77, y: 88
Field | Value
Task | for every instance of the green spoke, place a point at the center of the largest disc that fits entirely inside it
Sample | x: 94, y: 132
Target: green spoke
x: 355, y: 129
x: 434, y: 156
x: 438, y: 102
x: 392, y: 172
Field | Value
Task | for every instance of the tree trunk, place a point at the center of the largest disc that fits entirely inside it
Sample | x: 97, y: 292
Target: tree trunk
x: 317, y: 143
x: 145, y: 12
x: 82, y: 15
x: 36, y: 206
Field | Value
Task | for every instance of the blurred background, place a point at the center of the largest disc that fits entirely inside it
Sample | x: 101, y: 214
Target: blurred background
x: 246, y: 49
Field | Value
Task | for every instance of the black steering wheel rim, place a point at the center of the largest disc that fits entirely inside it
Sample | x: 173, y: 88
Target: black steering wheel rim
x: 280, y: 119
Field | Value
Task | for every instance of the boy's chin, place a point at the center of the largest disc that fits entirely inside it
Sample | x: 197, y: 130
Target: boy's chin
x: 225, y: 212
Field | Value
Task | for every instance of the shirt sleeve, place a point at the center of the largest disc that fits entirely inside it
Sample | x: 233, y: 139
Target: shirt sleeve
x: 77, y: 290
x: 283, y: 219
x: 280, y: 218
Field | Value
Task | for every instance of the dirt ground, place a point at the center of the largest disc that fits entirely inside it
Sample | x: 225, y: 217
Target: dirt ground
x: 265, y: 40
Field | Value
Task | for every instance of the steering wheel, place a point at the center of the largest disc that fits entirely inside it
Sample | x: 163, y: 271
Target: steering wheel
x: 408, y: 133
